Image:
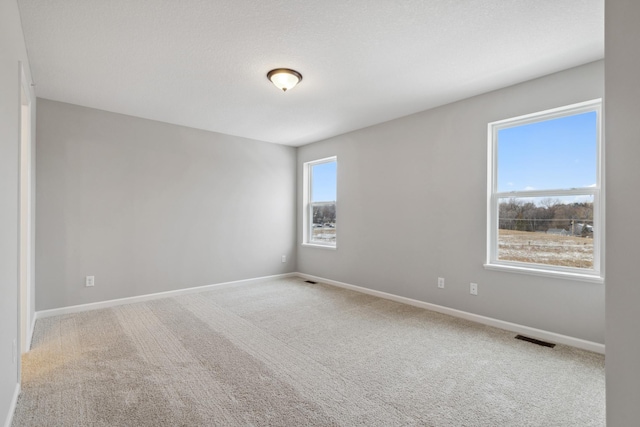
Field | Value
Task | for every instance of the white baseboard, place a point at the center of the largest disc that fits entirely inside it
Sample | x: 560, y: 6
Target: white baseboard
x: 140, y: 298
x: 12, y: 408
x: 501, y: 324
x: 513, y: 327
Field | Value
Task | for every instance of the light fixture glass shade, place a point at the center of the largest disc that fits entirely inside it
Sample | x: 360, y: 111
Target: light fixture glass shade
x: 284, y: 78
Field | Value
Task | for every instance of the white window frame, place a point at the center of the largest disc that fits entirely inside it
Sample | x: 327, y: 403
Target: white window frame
x: 307, y: 220
x: 596, y: 274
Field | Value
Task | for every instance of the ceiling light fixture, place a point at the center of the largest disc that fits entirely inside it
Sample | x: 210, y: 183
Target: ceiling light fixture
x: 284, y: 78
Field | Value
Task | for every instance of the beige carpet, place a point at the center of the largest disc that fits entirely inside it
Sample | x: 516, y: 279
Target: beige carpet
x: 288, y: 353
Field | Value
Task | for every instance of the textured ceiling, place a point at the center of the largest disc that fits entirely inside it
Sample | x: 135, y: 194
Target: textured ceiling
x: 203, y: 63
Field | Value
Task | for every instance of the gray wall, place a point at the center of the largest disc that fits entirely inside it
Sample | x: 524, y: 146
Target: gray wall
x: 622, y: 111
x: 412, y: 207
x: 148, y: 207
x: 12, y: 52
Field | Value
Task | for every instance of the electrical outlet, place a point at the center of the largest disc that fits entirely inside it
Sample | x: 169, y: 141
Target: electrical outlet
x: 90, y: 281
x: 284, y: 258
x: 441, y: 282
x: 473, y: 288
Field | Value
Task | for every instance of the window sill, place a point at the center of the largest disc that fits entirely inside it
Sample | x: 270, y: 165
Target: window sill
x: 313, y: 245
x: 546, y: 273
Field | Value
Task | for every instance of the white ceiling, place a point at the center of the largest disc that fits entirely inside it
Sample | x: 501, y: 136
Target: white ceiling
x: 203, y: 63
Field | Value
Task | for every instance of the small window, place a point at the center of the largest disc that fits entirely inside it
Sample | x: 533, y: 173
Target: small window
x: 544, y: 204
x: 320, y: 202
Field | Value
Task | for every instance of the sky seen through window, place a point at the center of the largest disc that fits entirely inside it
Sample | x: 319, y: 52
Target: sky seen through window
x: 323, y: 183
x: 548, y: 155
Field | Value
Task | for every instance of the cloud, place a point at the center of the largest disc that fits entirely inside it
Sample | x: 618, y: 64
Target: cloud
x: 529, y: 188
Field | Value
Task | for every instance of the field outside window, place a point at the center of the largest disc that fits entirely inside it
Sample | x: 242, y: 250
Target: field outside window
x: 545, y: 230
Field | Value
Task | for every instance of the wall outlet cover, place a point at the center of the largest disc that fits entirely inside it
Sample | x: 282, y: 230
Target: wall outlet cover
x: 473, y: 288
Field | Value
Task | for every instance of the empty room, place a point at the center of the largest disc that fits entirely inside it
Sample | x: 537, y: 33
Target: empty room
x: 287, y: 213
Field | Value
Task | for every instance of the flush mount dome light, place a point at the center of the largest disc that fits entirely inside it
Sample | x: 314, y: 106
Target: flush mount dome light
x: 284, y: 78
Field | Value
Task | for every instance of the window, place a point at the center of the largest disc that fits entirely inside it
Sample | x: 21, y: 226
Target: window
x: 320, y: 178
x: 544, y: 204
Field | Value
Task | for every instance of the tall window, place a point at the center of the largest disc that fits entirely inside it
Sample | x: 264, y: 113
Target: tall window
x: 545, y: 192
x: 320, y: 202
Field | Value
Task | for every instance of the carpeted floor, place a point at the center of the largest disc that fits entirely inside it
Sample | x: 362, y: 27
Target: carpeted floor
x: 288, y: 353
